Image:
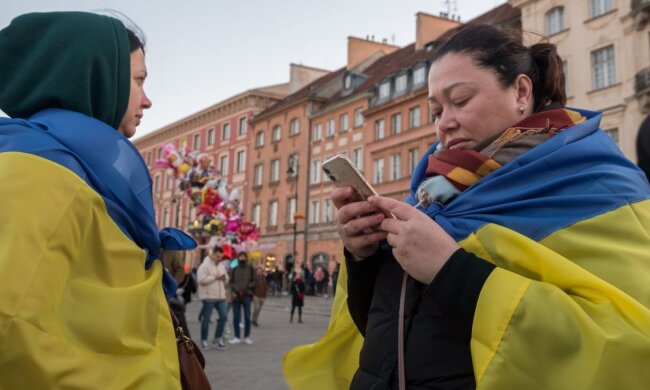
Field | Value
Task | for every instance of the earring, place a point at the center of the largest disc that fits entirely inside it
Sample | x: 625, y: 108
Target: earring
x: 522, y: 109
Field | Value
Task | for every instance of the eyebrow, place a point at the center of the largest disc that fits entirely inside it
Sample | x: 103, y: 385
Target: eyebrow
x: 447, y: 90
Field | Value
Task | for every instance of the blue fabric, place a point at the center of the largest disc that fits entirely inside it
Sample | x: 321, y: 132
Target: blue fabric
x: 245, y: 303
x: 102, y: 157
x: 175, y: 240
x: 206, y: 313
x: 576, y: 175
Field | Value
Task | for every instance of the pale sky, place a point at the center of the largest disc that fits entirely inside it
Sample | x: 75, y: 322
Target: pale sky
x: 200, y: 52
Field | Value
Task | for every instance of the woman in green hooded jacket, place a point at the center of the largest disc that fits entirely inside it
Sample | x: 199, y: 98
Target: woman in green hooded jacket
x: 82, y: 290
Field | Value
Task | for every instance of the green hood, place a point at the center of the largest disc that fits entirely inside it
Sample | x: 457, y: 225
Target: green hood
x: 77, y: 61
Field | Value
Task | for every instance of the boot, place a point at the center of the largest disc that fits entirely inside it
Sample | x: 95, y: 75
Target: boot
x: 300, y: 318
x: 291, y: 319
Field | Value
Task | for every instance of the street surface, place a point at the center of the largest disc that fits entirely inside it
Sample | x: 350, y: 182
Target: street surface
x: 259, y: 366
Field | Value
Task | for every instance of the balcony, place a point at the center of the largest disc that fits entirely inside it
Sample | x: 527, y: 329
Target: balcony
x: 640, y: 10
x: 642, y: 89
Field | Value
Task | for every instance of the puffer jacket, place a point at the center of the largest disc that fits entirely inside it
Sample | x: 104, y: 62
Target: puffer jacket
x: 209, y: 286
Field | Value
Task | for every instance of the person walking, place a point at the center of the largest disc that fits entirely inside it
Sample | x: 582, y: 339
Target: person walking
x: 259, y: 296
x: 213, y: 276
x: 242, y: 286
x: 297, y: 289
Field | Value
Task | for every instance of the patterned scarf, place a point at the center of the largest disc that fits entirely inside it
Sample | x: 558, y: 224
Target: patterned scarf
x: 462, y: 168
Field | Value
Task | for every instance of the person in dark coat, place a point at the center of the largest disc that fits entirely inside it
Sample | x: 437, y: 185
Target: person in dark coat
x: 643, y: 147
x: 297, y: 290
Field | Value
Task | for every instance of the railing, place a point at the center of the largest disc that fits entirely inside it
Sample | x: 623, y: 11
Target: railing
x: 642, y: 81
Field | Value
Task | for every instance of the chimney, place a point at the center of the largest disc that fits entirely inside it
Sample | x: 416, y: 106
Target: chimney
x: 360, y: 50
x: 300, y: 76
x: 428, y: 28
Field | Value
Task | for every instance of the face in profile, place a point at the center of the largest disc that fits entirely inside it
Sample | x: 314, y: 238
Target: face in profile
x: 138, y: 100
x: 469, y: 104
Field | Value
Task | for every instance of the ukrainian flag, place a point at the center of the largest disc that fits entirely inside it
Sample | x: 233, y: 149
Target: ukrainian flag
x: 81, y: 300
x: 567, y: 225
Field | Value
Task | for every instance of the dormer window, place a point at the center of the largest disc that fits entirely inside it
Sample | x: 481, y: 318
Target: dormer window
x: 418, y: 75
x: 384, y: 90
x: 400, y: 83
x: 347, y: 82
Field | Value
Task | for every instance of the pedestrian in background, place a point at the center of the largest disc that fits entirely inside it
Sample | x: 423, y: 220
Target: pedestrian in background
x: 297, y: 289
x: 213, y: 276
x: 242, y: 285
x: 259, y: 296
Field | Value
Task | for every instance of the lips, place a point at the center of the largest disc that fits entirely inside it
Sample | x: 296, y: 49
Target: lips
x: 457, y: 143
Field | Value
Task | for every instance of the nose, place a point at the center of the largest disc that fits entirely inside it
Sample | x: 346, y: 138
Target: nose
x: 447, y: 121
x: 146, y: 103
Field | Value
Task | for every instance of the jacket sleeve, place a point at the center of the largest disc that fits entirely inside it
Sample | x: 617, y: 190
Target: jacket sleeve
x: 203, y: 276
x: 361, y: 284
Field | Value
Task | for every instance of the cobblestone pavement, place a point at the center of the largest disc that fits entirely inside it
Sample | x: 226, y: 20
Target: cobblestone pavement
x: 259, y: 366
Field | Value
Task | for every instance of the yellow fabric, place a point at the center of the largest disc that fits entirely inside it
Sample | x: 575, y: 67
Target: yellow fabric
x: 568, y: 312
x: 331, y: 362
x: 77, y: 308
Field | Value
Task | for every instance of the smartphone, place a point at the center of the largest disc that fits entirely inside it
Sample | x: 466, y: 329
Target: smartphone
x: 343, y: 172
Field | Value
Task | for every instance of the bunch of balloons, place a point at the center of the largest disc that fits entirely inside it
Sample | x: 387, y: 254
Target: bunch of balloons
x: 218, y: 209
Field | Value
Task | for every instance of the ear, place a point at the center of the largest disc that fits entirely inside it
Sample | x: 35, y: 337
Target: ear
x: 524, y: 92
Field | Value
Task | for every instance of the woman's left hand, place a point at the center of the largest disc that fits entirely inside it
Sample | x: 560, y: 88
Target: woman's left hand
x: 419, y: 244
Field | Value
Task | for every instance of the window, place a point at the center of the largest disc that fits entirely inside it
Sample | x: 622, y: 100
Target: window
x: 384, y: 90
x: 400, y: 83
x: 259, y: 175
x: 276, y: 135
x: 604, y: 67
x: 613, y: 133
x: 396, y: 124
x: 379, y: 129
x: 159, y: 154
x: 165, y: 221
x: 241, y: 161
x: 344, y: 123
x: 555, y: 21
x: 327, y: 211
x: 414, y: 157
x: 256, y: 213
x: 148, y: 158
x: 418, y: 75
x: 259, y: 139
x: 314, y: 212
x: 414, y: 117
x: 347, y: 81
x: 358, y: 117
x: 211, y: 137
x: 156, y: 185
x: 242, y: 126
x: 378, y: 170
x: 223, y: 164
x: 567, y: 81
x: 275, y: 171
x: 396, y: 167
x: 291, y: 209
x: 357, y: 158
x: 225, y: 132
x: 292, y: 169
x: 197, y: 141
x: 331, y: 128
x: 169, y: 182
x: 294, y: 127
x: 315, y: 172
x: 318, y: 132
x: 273, y: 213
x: 599, y: 7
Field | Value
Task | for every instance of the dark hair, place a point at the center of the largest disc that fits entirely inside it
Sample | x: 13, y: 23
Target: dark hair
x: 135, y: 42
x: 217, y: 249
x: 242, y: 253
x: 504, y: 54
x: 135, y: 34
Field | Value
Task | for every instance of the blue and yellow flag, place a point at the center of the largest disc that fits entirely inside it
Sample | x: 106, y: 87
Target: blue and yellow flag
x: 81, y: 299
x: 567, y: 225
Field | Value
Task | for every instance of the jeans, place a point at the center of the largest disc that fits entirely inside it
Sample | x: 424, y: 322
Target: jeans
x: 206, y: 313
x: 236, y: 312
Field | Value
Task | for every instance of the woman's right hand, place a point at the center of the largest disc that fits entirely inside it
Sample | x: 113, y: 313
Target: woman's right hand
x: 357, y: 222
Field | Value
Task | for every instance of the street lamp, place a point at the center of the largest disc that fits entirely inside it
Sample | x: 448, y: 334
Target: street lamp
x: 292, y: 171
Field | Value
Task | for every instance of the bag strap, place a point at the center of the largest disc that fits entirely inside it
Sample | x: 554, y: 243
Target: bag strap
x: 401, y: 372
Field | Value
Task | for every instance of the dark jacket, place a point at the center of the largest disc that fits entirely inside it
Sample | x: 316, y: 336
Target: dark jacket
x: 242, y: 281
x: 438, y: 322
x: 297, y: 289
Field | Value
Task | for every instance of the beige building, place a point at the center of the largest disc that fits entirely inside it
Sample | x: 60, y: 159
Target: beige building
x: 606, y: 50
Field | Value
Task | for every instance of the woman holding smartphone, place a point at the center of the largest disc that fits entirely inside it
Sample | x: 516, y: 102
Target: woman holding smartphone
x: 532, y: 271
